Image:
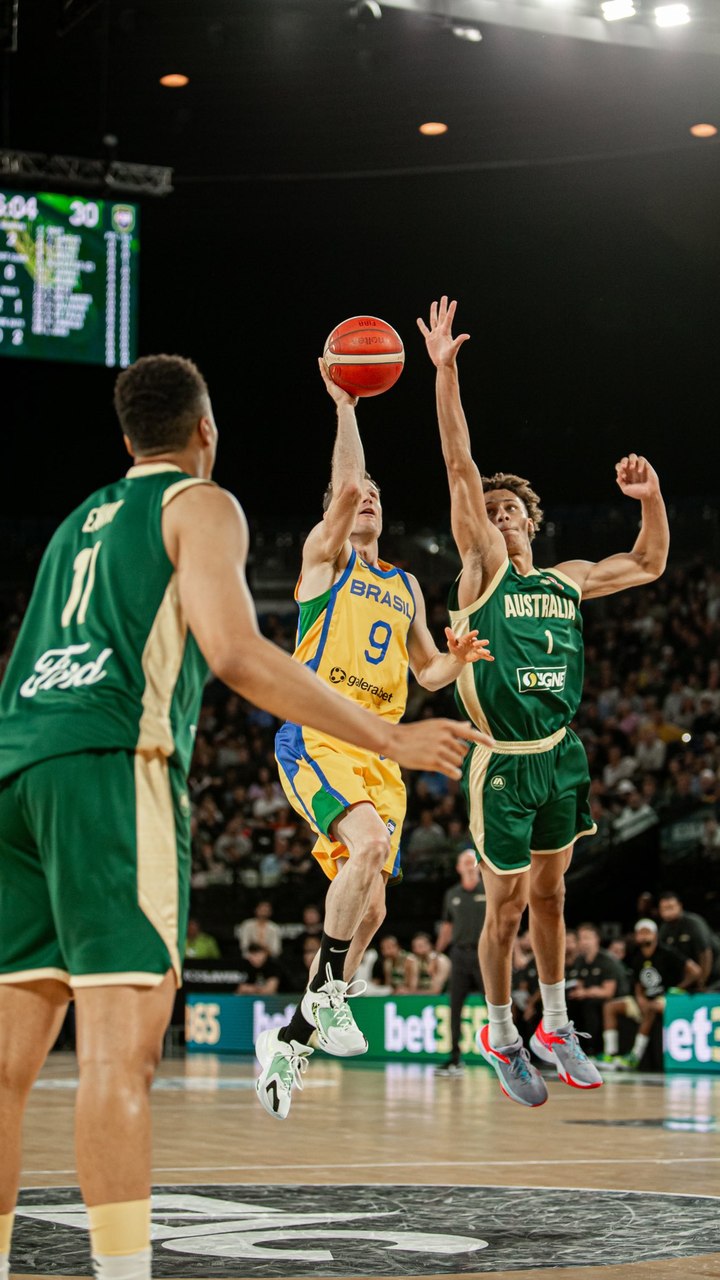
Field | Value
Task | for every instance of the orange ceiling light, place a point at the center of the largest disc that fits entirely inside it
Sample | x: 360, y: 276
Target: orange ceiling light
x: 174, y: 80
x: 703, y: 130
x: 432, y: 128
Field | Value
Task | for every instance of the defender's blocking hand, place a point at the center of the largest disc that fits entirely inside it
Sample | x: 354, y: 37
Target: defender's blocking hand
x: 636, y: 477
x: 442, y: 348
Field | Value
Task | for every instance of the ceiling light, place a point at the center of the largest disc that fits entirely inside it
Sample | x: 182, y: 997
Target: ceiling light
x: 703, y: 130
x: 174, y: 80
x: 672, y: 15
x: 613, y: 10
x: 473, y: 34
x: 433, y: 127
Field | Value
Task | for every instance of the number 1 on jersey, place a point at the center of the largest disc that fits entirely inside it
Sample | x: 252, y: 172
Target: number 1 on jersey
x: 549, y: 640
x: 379, y: 639
x: 82, y: 585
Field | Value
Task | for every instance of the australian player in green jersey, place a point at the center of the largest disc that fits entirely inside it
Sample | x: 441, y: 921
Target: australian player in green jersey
x: 140, y: 590
x: 527, y: 797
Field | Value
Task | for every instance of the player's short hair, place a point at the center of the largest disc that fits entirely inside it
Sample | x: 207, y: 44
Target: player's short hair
x: 670, y: 895
x: 328, y: 494
x: 522, y: 489
x: 159, y: 400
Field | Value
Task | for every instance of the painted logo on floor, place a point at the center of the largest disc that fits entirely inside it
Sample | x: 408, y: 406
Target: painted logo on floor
x: 336, y: 1231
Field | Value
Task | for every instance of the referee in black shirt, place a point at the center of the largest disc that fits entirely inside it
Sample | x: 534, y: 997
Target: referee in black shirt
x: 462, y: 921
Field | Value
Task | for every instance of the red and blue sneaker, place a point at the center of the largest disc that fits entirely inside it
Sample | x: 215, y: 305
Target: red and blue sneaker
x: 519, y: 1079
x: 561, y: 1047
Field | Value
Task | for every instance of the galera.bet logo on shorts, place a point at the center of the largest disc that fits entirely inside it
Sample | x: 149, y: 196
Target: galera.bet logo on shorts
x: 541, y: 679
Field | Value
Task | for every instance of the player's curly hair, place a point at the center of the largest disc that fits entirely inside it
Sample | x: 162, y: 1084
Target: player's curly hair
x: 328, y: 494
x: 522, y: 490
x: 159, y: 400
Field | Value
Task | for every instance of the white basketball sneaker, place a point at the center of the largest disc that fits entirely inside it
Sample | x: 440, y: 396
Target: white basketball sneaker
x: 336, y: 1031
x: 283, y: 1066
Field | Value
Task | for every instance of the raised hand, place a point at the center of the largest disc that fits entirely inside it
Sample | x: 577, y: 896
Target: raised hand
x: 468, y: 648
x: 442, y: 348
x: 337, y: 393
x: 636, y: 477
x: 436, y: 746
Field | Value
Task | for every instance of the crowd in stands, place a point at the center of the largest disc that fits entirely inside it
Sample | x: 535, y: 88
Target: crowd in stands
x: 650, y: 722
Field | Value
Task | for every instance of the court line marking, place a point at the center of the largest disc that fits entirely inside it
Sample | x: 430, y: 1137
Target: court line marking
x: 411, y: 1164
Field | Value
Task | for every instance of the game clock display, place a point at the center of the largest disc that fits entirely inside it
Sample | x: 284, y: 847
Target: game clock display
x: 68, y: 278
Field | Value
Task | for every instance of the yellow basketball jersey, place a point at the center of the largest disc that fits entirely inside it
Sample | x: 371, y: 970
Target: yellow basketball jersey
x: 355, y: 635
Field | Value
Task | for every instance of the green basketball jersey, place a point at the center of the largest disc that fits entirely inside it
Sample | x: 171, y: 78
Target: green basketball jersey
x: 104, y: 658
x: 534, y: 626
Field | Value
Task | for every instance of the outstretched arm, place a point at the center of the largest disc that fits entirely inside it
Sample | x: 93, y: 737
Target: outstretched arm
x: 205, y: 534
x: 431, y: 668
x: 647, y: 560
x: 327, y: 547
x: 480, y: 544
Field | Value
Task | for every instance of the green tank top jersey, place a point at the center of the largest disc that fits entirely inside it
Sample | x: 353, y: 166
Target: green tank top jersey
x: 104, y: 658
x: 533, y: 622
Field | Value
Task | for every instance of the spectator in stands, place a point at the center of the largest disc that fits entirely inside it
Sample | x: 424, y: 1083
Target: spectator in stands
x: 656, y: 969
x: 691, y: 936
x: 596, y: 978
x: 395, y: 968
x: 260, y: 929
x: 618, y: 767
x: 262, y: 972
x: 427, y: 838
x: 636, y: 815
x: 431, y: 970
x: 296, y: 967
x: 297, y: 863
x: 572, y: 949
x: 200, y: 945
x: 312, y: 920
x: 650, y: 750
x: 234, y: 845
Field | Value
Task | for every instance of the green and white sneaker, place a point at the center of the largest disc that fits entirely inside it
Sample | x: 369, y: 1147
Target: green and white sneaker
x: 283, y: 1066
x: 606, y: 1061
x: 630, y: 1062
x: 327, y: 1010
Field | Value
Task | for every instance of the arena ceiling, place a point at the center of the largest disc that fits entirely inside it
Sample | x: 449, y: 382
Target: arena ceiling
x: 567, y: 206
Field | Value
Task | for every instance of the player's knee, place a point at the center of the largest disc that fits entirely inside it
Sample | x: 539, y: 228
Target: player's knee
x: 503, y: 923
x: 548, y: 901
x: 15, y: 1075
x: 375, y: 854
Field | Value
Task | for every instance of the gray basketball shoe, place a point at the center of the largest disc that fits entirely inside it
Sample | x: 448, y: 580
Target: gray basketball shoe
x: 519, y: 1079
x: 562, y: 1049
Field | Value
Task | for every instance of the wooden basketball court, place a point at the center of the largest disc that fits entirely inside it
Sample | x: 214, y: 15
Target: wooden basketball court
x: 390, y: 1171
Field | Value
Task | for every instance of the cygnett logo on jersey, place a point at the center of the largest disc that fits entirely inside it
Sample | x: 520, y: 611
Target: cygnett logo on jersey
x: 541, y: 679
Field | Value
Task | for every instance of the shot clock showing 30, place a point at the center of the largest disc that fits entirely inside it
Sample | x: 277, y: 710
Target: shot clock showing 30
x: 68, y: 278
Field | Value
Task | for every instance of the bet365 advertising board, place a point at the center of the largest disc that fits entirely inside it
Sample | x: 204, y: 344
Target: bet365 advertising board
x: 398, y: 1028
x: 692, y: 1033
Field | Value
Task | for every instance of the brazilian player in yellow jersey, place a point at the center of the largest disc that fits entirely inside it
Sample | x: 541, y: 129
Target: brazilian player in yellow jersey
x: 362, y: 625
x: 141, y: 589
x: 527, y: 796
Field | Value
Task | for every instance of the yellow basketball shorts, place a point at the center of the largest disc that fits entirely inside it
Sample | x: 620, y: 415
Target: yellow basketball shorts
x: 323, y: 777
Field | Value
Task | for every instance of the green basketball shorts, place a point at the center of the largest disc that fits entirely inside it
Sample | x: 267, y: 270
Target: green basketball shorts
x: 94, y: 870
x: 527, y: 802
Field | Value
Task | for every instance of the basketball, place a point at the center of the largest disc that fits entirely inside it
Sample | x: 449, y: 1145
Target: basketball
x: 364, y: 356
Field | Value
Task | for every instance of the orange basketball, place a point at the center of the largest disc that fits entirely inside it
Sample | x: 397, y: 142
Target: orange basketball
x: 364, y: 356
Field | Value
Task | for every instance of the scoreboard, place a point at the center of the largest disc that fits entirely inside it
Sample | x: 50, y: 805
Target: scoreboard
x: 68, y: 278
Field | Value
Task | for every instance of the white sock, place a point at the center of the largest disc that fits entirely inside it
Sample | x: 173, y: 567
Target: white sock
x: 611, y: 1042
x: 555, y: 1012
x: 503, y: 1031
x: 4, y: 1266
x: 122, y: 1266
x: 640, y: 1045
